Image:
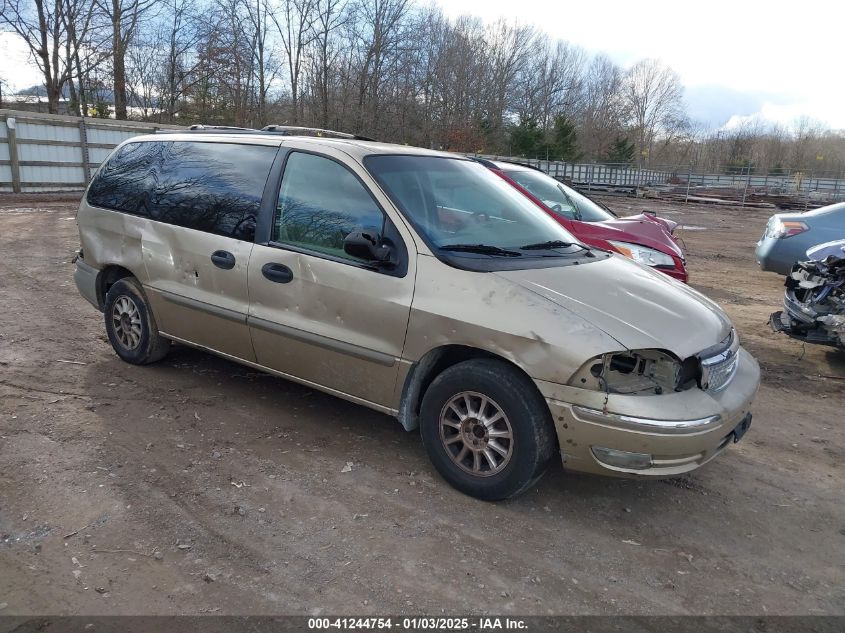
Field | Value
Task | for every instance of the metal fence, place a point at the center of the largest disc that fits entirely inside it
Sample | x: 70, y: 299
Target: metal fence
x: 599, y: 176
x: 48, y: 152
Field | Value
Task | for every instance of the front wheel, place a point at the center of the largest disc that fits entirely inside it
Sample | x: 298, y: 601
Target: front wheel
x: 486, y: 429
x: 130, y: 324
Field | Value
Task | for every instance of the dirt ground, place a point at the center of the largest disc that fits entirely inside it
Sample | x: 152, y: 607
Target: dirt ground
x: 199, y: 486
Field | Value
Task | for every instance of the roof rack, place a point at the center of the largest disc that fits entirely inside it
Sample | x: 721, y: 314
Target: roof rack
x: 212, y: 129
x: 295, y: 130
x: 280, y: 130
x: 227, y: 128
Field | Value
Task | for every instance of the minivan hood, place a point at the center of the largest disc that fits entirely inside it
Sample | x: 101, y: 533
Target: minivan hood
x: 638, y: 307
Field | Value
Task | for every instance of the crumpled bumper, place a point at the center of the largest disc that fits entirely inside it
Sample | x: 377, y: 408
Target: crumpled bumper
x: 651, y: 436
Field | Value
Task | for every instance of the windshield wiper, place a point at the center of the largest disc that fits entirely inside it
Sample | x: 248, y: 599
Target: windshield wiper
x: 483, y: 249
x: 542, y: 246
x: 571, y: 201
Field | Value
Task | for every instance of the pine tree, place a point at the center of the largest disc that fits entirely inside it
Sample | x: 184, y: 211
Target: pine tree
x: 527, y: 138
x: 564, y: 139
x: 621, y: 152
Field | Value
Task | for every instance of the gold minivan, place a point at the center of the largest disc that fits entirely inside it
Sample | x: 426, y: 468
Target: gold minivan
x: 419, y: 284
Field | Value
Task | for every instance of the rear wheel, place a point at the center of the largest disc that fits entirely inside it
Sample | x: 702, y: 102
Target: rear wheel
x: 130, y: 324
x: 486, y: 429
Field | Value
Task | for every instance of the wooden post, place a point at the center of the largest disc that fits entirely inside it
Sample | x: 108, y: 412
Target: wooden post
x: 12, y: 136
x: 747, y: 182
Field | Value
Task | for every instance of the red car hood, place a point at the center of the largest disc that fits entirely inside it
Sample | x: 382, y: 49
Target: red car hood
x: 642, y: 229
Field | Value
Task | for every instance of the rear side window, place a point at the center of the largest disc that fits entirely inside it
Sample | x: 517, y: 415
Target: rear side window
x: 211, y: 187
x: 123, y: 182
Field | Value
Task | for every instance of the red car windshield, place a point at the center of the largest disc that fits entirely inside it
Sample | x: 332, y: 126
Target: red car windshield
x: 558, y: 197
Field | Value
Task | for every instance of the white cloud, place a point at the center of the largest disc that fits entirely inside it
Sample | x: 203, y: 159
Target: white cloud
x: 17, y: 69
x: 792, y: 53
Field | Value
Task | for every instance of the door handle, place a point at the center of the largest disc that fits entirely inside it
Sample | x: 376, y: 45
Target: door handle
x: 223, y: 259
x: 279, y: 273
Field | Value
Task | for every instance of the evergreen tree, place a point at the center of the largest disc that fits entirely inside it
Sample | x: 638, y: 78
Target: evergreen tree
x: 564, y: 140
x: 621, y: 152
x: 527, y: 138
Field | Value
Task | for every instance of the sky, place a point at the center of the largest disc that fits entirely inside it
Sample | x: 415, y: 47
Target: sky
x: 741, y: 59
x: 772, y: 60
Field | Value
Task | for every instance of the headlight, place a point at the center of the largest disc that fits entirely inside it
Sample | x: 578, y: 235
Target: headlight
x: 644, y: 255
x: 645, y: 371
x: 779, y: 229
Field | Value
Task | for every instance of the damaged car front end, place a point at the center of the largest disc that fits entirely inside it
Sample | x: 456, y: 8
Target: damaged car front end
x: 814, y: 300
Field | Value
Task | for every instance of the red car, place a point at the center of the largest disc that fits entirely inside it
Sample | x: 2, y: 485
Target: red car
x: 645, y: 238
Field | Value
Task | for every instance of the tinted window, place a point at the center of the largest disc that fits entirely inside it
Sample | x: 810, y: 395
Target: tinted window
x: 212, y: 187
x: 123, y: 182
x: 320, y: 203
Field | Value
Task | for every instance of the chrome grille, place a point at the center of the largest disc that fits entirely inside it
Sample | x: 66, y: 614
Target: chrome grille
x: 717, y: 370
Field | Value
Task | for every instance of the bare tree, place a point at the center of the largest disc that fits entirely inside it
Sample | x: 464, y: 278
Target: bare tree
x: 263, y: 63
x: 180, y: 61
x: 123, y: 19
x: 509, y: 47
x: 601, y: 117
x: 654, y: 97
x: 380, y: 36
x: 331, y: 15
x: 41, y: 25
x: 295, y: 21
x: 85, y: 51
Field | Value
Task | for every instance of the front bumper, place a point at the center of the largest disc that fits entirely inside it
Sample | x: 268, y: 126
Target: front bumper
x: 677, y: 432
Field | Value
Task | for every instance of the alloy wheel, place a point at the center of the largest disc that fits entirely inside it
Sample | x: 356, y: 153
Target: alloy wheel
x: 476, y: 434
x: 126, y: 319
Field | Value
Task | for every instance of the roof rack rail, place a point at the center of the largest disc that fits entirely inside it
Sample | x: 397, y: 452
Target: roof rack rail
x: 280, y: 130
x: 212, y: 129
x: 295, y: 130
x: 228, y: 128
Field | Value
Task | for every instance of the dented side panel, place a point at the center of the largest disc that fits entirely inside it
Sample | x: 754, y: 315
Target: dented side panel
x: 190, y: 297
x: 490, y: 313
x: 111, y: 238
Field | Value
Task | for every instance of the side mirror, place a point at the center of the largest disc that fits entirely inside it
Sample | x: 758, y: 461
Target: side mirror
x: 366, y: 244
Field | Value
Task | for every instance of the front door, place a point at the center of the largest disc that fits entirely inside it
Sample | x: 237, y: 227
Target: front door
x: 315, y: 312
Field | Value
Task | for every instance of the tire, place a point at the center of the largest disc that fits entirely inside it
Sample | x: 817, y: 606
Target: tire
x: 130, y: 324
x: 503, y: 455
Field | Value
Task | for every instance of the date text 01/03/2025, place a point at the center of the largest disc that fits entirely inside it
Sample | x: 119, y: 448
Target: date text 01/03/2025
x: 417, y: 623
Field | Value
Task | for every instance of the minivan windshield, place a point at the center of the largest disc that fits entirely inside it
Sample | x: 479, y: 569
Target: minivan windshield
x: 558, y: 197
x: 461, y: 207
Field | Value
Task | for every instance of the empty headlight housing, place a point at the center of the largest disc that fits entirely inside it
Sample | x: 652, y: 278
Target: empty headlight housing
x: 646, y: 372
